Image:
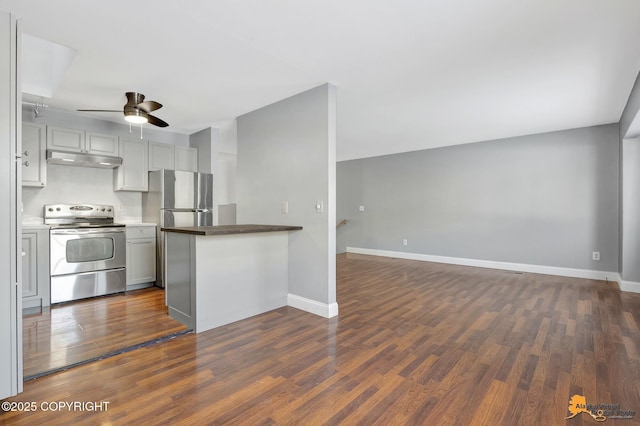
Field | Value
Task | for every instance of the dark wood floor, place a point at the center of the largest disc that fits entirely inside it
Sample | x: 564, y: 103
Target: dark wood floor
x: 415, y: 343
x: 73, y: 332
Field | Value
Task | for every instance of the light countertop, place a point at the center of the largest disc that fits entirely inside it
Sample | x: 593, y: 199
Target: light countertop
x: 32, y: 226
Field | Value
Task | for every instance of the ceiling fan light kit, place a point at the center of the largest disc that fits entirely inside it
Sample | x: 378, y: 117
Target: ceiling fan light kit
x: 135, y: 116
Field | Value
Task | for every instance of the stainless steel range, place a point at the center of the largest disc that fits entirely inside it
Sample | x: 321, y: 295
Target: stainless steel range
x: 88, y: 251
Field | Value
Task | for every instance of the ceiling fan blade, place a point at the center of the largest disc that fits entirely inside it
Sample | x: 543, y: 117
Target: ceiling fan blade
x: 156, y: 121
x: 100, y: 110
x: 148, y: 106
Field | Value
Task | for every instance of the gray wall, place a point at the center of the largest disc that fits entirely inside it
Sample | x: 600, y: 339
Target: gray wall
x: 286, y: 152
x: 548, y: 199
x: 202, y: 141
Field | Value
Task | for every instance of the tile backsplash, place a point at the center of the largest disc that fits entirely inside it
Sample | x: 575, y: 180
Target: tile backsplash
x: 69, y: 185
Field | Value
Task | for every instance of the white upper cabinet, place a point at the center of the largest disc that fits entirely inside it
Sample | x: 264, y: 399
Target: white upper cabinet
x: 34, y: 144
x: 186, y: 158
x: 132, y: 174
x: 81, y: 141
x: 172, y: 157
x: 96, y: 143
x: 65, y: 139
x: 161, y: 156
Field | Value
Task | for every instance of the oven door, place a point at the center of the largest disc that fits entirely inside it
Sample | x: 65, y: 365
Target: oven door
x: 87, y: 249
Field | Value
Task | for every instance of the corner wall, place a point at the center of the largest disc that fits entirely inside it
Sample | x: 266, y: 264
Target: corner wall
x: 286, y: 153
x: 548, y: 199
x: 630, y: 200
x: 631, y: 210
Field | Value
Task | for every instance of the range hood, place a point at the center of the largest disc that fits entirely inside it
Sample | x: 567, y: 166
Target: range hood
x: 68, y: 158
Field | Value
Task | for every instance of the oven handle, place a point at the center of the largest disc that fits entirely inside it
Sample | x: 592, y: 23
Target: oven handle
x: 87, y: 231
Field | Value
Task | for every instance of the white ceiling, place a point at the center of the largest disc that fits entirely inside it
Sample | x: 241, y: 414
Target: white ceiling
x: 410, y: 74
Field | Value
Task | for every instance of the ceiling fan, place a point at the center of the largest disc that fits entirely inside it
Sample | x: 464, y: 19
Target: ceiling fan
x: 136, y: 110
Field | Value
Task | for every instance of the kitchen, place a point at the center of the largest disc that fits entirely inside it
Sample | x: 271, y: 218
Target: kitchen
x: 53, y: 183
x: 310, y: 254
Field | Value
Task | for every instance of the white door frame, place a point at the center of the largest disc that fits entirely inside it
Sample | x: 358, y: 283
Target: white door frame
x: 10, y: 216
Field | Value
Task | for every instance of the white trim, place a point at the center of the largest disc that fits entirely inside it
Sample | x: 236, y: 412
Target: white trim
x: 312, y: 306
x: 630, y: 286
x: 507, y: 266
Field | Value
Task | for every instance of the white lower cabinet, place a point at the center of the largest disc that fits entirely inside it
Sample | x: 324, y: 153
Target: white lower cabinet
x: 141, y: 256
x: 35, y: 269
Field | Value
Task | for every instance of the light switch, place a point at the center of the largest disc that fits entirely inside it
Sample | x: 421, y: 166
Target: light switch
x: 285, y: 207
x: 319, y: 206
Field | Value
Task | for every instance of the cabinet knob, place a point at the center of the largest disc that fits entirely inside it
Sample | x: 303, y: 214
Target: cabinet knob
x: 25, y: 163
x: 128, y: 241
x: 24, y: 253
x: 25, y: 153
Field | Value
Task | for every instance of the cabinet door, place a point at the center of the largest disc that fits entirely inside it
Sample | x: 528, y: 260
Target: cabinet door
x: 65, y: 139
x: 186, y: 158
x: 102, y: 144
x: 34, y: 166
x: 161, y: 156
x: 29, y: 265
x: 133, y: 174
x: 141, y: 260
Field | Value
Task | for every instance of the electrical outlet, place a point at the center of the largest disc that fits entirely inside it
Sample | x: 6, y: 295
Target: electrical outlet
x: 361, y: 208
x: 596, y: 255
x: 121, y: 207
x: 404, y: 242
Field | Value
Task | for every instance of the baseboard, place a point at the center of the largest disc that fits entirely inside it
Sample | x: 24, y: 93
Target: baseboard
x: 312, y: 306
x: 507, y: 266
x: 133, y: 287
x: 629, y: 286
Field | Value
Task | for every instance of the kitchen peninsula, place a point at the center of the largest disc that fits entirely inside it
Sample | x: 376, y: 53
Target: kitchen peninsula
x: 216, y: 275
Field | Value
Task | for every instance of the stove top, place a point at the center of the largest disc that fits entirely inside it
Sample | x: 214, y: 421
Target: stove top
x: 85, y: 225
x: 79, y: 215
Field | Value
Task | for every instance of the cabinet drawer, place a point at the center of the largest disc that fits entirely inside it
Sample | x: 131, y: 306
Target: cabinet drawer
x: 141, y: 232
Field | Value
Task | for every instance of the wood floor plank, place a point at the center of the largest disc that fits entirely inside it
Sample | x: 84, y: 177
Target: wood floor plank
x: 416, y: 343
x: 69, y: 333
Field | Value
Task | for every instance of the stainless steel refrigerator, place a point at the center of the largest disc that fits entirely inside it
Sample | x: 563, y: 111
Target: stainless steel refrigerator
x: 176, y: 198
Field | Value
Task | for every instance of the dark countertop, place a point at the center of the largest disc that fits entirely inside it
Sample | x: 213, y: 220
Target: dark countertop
x: 230, y: 229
